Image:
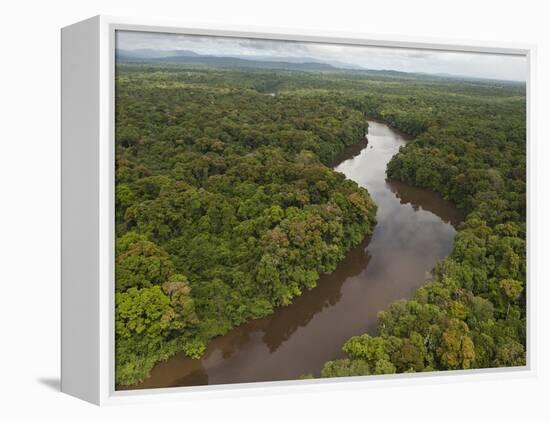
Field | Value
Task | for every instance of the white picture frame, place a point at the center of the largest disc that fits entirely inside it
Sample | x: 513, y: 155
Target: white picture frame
x: 88, y: 62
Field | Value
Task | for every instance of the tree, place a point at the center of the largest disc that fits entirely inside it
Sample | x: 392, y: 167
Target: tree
x: 140, y: 262
x: 512, y: 290
x: 456, y: 349
x: 182, y: 314
x: 142, y: 324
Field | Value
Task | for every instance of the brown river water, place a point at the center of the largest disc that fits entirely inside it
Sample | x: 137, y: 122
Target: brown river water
x: 415, y: 229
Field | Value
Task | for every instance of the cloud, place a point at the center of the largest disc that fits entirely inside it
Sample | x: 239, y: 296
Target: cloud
x: 495, y: 66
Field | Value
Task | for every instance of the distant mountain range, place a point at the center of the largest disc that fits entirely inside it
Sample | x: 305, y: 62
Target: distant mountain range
x: 263, y: 62
x: 146, y: 55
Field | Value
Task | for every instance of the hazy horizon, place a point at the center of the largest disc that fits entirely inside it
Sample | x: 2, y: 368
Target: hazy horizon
x: 476, y: 65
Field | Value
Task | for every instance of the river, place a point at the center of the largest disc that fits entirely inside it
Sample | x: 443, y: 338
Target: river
x: 415, y: 229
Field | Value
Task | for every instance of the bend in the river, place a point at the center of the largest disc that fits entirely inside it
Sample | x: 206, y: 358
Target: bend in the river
x: 415, y: 229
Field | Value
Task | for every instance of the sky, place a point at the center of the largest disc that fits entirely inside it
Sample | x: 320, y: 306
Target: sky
x: 481, y: 65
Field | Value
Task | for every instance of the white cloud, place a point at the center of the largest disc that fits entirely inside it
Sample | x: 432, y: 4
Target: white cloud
x: 484, y: 65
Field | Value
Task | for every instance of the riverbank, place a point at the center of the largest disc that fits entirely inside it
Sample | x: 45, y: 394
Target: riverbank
x: 414, y: 231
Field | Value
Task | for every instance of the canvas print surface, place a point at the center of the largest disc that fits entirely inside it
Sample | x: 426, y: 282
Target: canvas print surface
x: 290, y: 210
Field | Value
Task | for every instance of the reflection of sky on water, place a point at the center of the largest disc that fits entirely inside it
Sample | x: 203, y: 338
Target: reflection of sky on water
x: 414, y: 231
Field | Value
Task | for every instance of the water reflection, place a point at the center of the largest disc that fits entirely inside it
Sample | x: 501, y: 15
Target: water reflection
x: 421, y: 199
x: 415, y: 229
x: 282, y: 326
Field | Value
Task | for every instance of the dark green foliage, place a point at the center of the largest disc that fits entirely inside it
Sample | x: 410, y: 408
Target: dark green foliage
x: 228, y: 189
x: 223, y: 182
x: 151, y: 324
x: 471, y: 314
x: 140, y: 263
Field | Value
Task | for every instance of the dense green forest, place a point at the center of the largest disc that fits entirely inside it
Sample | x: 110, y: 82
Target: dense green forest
x: 470, y: 147
x: 227, y: 207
